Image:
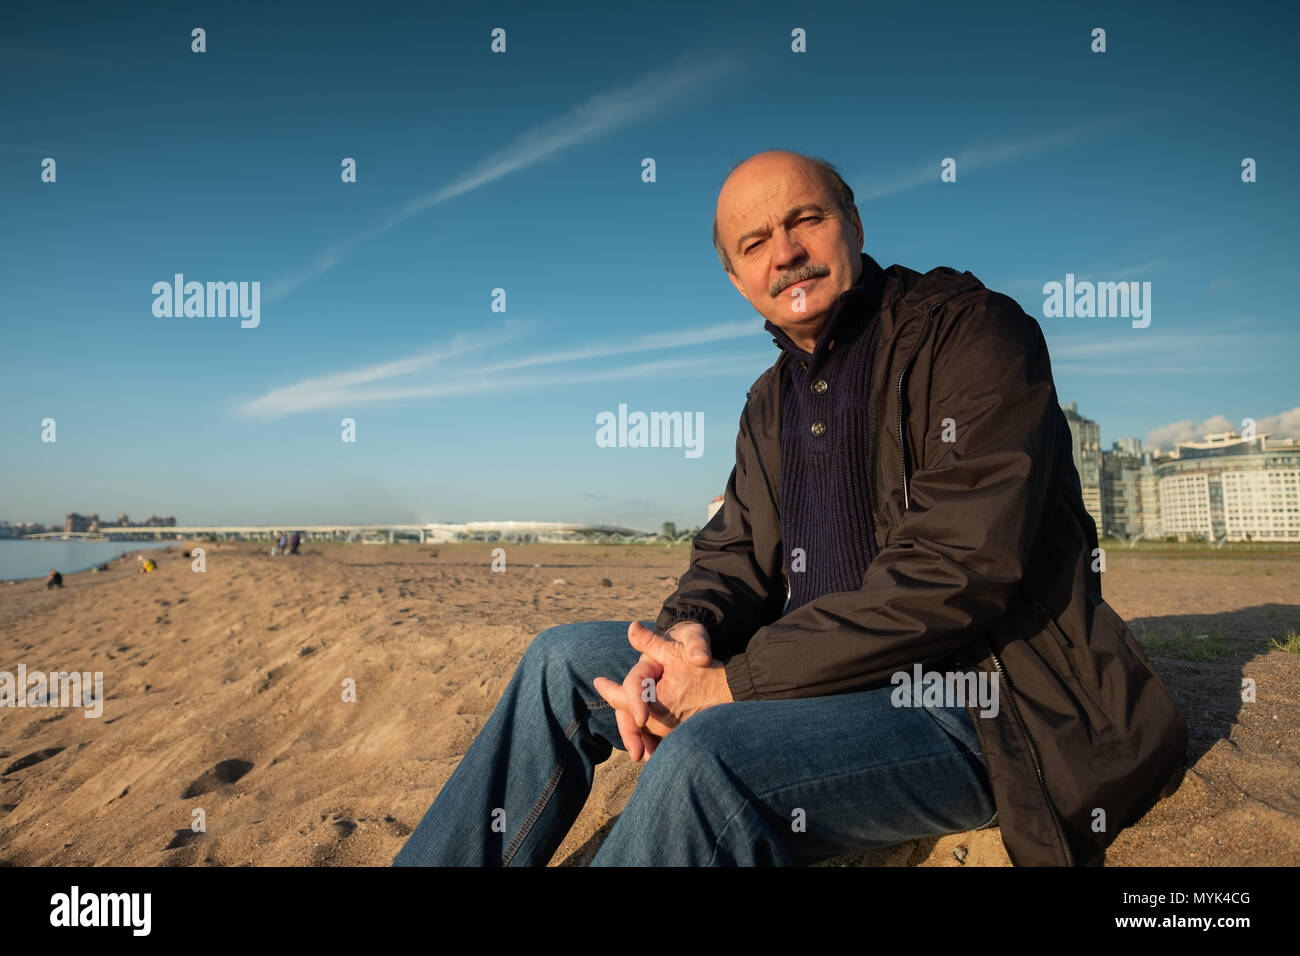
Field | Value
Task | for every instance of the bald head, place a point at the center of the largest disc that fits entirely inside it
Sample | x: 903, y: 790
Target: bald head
x: 776, y: 162
x: 789, y: 235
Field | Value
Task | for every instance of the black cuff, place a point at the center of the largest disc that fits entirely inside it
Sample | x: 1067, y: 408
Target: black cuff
x: 668, y: 617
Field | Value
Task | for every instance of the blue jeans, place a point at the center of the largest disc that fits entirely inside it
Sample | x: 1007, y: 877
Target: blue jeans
x: 773, y: 782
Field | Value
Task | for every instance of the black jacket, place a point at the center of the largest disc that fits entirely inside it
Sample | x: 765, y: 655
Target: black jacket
x: 986, y: 558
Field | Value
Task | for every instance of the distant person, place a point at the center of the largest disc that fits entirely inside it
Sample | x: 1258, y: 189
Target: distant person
x: 146, y: 564
x: 53, y: 580
x: 284, y: 543
x: 275, y: 544
x: 297, y: 539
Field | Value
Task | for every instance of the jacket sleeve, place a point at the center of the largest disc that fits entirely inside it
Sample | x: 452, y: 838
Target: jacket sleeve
x: 728, y: 587
x: 960, y: 548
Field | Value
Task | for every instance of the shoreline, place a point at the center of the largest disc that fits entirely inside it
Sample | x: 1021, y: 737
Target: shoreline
x: 110, y: 561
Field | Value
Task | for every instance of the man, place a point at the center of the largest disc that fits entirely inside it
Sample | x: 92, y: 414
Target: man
x: 903, y: 505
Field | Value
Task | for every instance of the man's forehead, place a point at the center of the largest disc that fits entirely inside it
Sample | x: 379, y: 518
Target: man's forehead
x: 762, y: 195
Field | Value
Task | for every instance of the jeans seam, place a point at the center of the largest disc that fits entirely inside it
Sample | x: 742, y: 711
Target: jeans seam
x: 527, y: 826
x: 746, y: 802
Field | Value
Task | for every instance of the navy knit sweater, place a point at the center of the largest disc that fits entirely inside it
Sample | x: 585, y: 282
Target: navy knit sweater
x: 826, y: 525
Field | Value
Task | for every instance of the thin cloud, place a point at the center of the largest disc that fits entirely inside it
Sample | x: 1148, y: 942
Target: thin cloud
x: 1153, y: 369
x: 324, y: 391
x: 287, y: 402
x: 344, y: 389
x: 983, y: 157
x: 1146, y: 268
x: 53, y: 152
x: 1095, y: 275
x: 600, y: 115
x: 1138, y: 343
x: 471, y: 386
x: 663, y: 340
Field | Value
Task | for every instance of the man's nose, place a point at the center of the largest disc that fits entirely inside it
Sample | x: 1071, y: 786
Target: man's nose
x: 787, y: 252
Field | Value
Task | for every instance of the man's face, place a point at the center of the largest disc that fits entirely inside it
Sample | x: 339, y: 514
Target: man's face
x: 779, y: 224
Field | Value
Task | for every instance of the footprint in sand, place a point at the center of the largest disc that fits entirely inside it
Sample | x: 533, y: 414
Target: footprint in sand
x: 325, y: 854
x: 182, y: 838
x: 22, y: 763
x: 228, y: 771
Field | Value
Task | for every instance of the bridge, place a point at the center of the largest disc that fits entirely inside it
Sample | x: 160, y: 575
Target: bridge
x: 367, y: 533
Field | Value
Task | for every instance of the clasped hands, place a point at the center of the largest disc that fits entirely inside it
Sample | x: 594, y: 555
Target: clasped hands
x: 676, y: 678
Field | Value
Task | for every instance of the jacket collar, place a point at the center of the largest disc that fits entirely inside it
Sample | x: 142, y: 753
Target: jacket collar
x: 854, y: 307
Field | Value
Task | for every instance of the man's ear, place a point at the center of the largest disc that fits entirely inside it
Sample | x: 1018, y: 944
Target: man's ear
x: 739, y: 287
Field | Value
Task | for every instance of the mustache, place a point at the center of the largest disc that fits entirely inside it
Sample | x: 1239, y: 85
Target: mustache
x: 805, y: 272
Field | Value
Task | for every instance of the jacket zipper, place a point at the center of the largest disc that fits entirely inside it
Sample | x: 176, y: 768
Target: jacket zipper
x: 907, y: 367
x: 1033, y: 750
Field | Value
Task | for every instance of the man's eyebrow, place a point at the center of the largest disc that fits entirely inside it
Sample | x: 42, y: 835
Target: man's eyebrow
x: 789, y: 214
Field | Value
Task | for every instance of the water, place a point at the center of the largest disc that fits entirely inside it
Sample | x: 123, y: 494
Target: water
x: 33, y: 559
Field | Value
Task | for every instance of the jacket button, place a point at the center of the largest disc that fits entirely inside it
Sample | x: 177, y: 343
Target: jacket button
x: 803, y: 364
x: 819, y: 387
x: 818, y: 429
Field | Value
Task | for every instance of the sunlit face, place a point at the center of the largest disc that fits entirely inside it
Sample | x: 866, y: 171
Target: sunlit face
x: 782, y: 230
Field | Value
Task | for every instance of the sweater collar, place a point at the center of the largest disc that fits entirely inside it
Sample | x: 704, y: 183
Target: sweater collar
x: 854, y: 306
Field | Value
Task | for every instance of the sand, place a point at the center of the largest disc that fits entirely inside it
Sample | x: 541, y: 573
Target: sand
x: 224, y: 693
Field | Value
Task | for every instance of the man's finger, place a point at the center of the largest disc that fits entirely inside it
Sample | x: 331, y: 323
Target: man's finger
x: 627, y: 727
x: 612, y: 691
x: 635, y: 689
x: 661, y: 720
x: 697, y: 648
x: 695, y: 642
x: 633, y: 738
x: 631, y: 734
x: 657, y: 727
x: 662, y: 649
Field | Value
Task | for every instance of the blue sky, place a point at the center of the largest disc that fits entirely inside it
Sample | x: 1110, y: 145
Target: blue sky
x: 522, y: 171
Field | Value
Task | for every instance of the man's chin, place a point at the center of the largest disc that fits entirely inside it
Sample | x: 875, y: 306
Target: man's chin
x: 793, y: 324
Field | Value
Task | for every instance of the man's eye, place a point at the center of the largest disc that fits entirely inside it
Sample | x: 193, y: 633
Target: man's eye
x: 749, y: 248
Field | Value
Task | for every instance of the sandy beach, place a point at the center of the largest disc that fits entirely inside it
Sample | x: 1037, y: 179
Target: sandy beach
x: 224, y: 692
